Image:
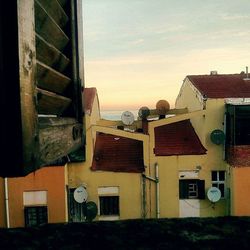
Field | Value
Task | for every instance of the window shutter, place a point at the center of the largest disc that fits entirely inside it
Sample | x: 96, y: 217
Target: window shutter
x: 183, y: 189
x: 41, y: 75
x: 201, y: 189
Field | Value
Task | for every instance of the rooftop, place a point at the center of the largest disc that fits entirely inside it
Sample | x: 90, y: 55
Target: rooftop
x: 178, y: 138
x: 117, y: 154
x: 88, y: 99
x: 222, y: 85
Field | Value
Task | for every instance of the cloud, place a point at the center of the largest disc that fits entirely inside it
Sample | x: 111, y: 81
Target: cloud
x: 136, y: 42
x: 235, y: 17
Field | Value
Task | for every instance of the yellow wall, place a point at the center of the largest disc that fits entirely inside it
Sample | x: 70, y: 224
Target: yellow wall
x: 50, y: 179
x: 80, y: 173
x: 240, y: 191
x: 213, y: 119
x: 129, y: 187
x: 2, y: 204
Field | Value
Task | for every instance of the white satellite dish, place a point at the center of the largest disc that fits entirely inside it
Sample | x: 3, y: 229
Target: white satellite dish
x: 214, y: 194
x: 127, y: 118
x: 80, y: 194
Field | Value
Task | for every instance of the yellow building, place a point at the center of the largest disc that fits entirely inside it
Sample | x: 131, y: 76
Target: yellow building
x: 151, y: 168
x: 115, y: 189
x: 226, y: 100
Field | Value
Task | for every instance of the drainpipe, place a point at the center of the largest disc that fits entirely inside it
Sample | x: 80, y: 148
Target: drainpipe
x: 6, y: 197
x: 157, y: 191
x: 156, y: 180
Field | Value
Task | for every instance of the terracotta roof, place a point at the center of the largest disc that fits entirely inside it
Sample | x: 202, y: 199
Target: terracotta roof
x: 178, y: 138
x: 117, y: 154
x: 88, y: 99
x: 221, y: 86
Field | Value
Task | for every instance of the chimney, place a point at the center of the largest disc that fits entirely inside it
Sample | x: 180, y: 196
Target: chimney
x: 213, y: 73
x: 247, y: 75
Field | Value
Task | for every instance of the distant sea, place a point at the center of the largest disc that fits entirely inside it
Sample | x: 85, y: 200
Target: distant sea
x: 115, y: 115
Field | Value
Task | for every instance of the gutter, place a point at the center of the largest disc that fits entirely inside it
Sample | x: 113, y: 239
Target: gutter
x: 6, y: 198
x: 157, y: 182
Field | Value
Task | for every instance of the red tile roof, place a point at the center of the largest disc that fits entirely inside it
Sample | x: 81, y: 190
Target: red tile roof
x: 88, y: 99
x: 178, y: 138
x: 222, y: 86
x: 117, y: 154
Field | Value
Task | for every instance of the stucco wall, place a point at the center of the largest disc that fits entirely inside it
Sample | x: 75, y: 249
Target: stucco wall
x: 240, y: 191
x: 129, y: 187
x: 50, y: 179
x: 2, y: 204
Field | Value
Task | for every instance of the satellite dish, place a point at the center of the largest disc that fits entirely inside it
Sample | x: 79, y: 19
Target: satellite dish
x: 143, y: 112
x: 80, y: 194
x: 214, y: 194
x: 162, y: 107
x: 217, y: 136
x: 91, y: 210
x: 127, y: 118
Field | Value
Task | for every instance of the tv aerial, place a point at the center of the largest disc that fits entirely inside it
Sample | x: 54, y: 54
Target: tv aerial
x: 80, y: 194
x: 214, y: 194
x: 127, y: 118
x: 90, y: 210
x: 143, y: 113
x: 162, y: 107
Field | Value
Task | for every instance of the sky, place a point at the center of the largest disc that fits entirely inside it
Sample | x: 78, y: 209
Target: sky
x: 137, y: 52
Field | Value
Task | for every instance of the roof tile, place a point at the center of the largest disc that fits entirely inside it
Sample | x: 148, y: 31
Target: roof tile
x: 222, y: 86
x: 117, y: 154
x: 178, y: 138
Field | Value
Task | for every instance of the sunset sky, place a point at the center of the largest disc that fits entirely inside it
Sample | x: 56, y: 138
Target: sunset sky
x: 139, y: 51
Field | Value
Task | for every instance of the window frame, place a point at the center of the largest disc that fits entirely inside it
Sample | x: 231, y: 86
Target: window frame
x: 39, y: 212
x: 218, y: 182
x: 114, y: 211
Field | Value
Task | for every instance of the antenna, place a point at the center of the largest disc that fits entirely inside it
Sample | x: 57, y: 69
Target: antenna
x: 80, y: 194
x: 162, y: 107
x: 143, y: 112
x: 127, y: 118
x: 91, y: 210
x: 214, y: 194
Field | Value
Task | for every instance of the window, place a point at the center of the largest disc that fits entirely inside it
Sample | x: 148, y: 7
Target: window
x: 191, y: 189
x: 35, y: 216
x: 237, y: 125
x: 76, y: 210
x: 109, y: 205
x: 218, y: 180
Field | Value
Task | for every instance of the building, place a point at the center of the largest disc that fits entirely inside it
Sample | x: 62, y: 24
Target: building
x: 112, y: 171
x: 151, y: 168
x: 160, y: 165
x: 38, y: 198
x: 226, y: 99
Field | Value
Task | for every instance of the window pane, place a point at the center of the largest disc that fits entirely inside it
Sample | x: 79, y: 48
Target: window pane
x: 221, y: 175
x: 214, y: 175
x: 35, y: 216
x: 109, y: 205
x: 222, y: 189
